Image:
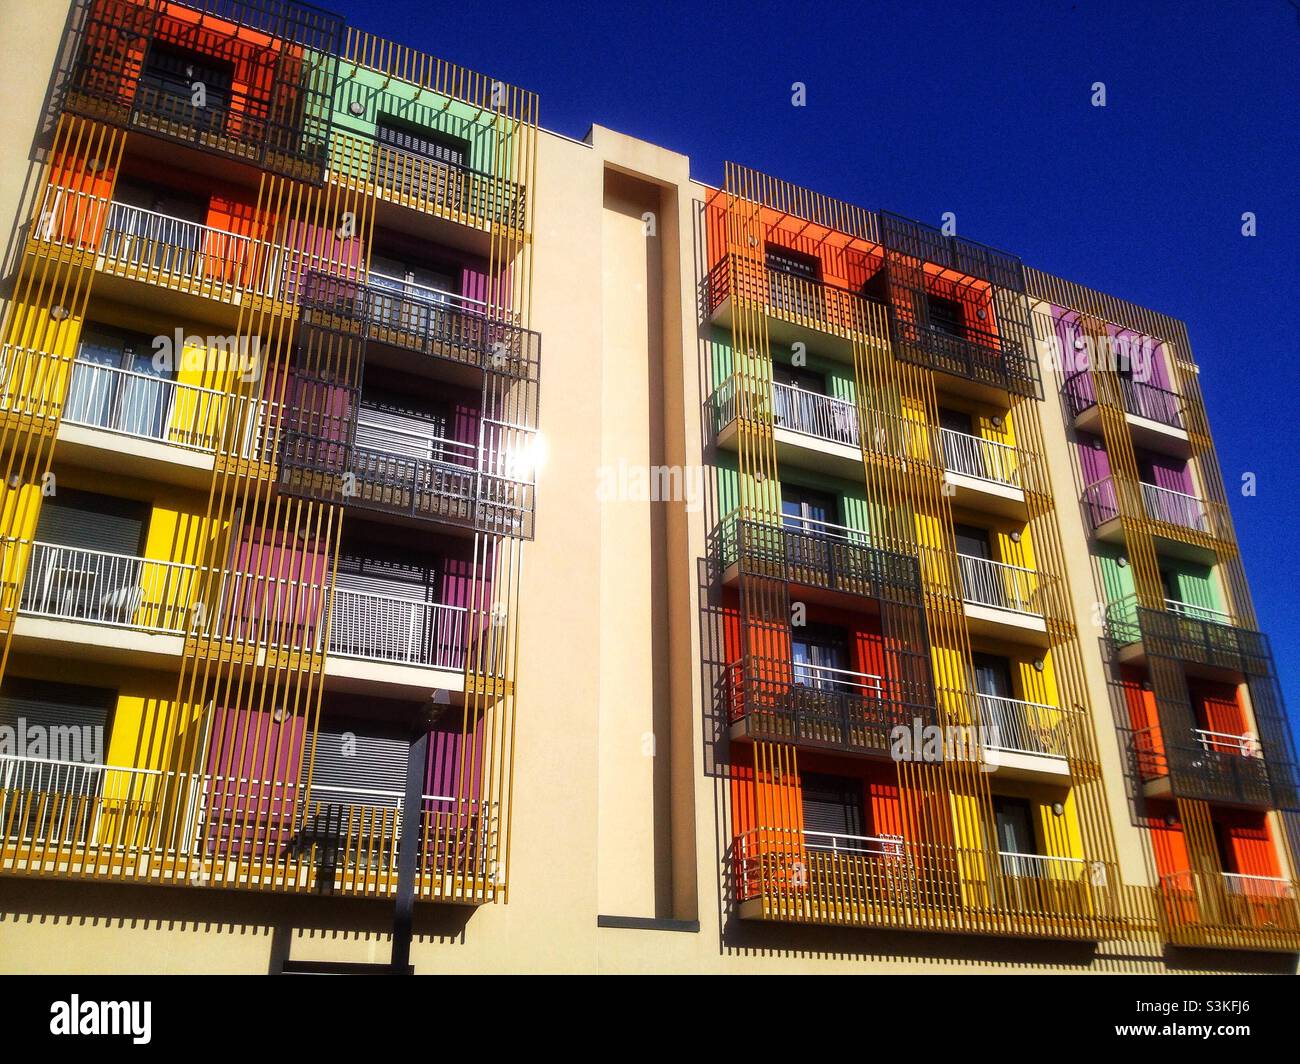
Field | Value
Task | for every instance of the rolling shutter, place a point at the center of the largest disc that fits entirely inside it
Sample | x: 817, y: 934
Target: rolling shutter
x: 832, y: 804
x: 87, y: 521
x: 59, y: 705
x: 381, y: 576
x: 436, y: 146
x: 376, y: 763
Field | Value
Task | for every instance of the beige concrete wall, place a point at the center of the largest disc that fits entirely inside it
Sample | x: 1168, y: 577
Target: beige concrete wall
x: 29, y: 46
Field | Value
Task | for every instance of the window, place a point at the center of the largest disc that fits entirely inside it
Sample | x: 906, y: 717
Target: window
x: 806, y: 509
x: 167, y: 85
x: 1017, y: 848
x: 945, y: 315
x: 821, y: 657
x: 832, y: 808
x: 796, y: 263
x: 430, y: 144
x: 796, y: 377
x: 992, y: 675
x: 116, y: 384
x: 972, y: 541
x: 400, y: 169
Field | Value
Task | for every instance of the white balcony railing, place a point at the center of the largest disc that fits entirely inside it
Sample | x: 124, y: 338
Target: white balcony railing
x: 986, y: 582
x: 403, y: 631
x: 1023, y: 727
x: 92, y: 810
x: 825, y: 678
x: 870, y: 845
x: 1175, y: 507
x: 403, y: 289
x: 123, y: 590
x: 147, y: 407
x: 1269, y: 887
x: 1244, y: 745
x: 1041, y: 866
x: 813, y: 414
x: 974, y: 456
x: 1197, y: 613
x: 219, y: 262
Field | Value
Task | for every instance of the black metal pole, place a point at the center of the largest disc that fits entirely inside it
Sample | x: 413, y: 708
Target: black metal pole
x: 409, y: 852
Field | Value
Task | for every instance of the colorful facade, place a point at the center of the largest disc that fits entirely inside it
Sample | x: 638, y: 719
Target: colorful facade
x: 866, y: 625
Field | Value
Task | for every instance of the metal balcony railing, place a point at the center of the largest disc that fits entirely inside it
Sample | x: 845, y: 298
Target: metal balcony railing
x: 1231, y: 909
x: 147, y: 407
x: 1197, y: 613
x: 812, y: 414
x: 1041, y: 866
x: 815, y: 553
x: 439, y: 186
x: 277, y: 120
x: 1243, y: 745
x: 402, y: 631
x: 884, y: 881
x: 1103, y: 502
x: 32, y: 382
x: 419, y: 318
x: 1175, y: 508
x: 1208, y: 766
x: 268, y: 610
x: 167, y: 251
x: 1247, y: 886
x: 1024, y: 727
x: 986, y: 582
x: 823, y: 706
x: 123, y: 822
x: 70, y: 583
x: 984, y: 459
x: 1140, y: 398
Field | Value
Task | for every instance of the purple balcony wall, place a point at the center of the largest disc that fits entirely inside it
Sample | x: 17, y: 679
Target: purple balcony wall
x: 1159, y: 373
x: 253, y: 765
x: 320, y: 249
x: 457, y: 828
x: 275, y: 592
x: 466, y: 407
x: 1168, y: 472
x: 1093, y: 459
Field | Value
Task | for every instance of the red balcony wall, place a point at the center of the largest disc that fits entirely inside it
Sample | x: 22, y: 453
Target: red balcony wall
x: 1217, y: 706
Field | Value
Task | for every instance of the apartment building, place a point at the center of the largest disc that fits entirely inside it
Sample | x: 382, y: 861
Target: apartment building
x: 848, y: 605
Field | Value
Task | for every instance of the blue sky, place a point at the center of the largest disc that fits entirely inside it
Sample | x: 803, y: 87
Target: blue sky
x: 984, y: 110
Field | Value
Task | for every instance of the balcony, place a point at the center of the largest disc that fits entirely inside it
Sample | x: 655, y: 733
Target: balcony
x: 816, y: 555
x: 820, y: 707
x: 795, y: 306
x: 82, y: 820
x: 991, y: 362
x: 427, y: 321
x: 1196, y: 635
x: 1002, y: 600
x: 412, y: 476
x: 1203, y: 765
x: 1105, y: 501
x: 1230, y: 911
x: 113, y: 79
x: 143, y: 601
x: 788, y: 875
x: 1154, y: 414
x: 984, y: 474
x: 440, y: 188
x: 408, y: 646
x: 129, y: 243
x: 1026, y: 740
x: 815, y: 431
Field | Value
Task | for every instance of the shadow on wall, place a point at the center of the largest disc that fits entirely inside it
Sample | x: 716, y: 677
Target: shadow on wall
x: 287, y: 924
